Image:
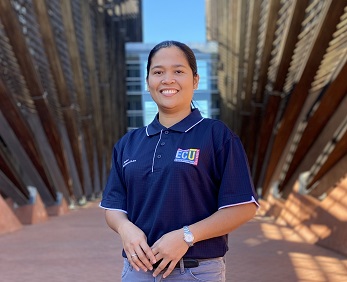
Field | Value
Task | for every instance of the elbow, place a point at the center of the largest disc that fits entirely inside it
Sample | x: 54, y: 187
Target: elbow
x: 249, y: 211
x: 252, y: 210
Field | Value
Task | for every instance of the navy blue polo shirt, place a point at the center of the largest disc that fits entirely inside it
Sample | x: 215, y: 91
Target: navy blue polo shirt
x: 165, y: 178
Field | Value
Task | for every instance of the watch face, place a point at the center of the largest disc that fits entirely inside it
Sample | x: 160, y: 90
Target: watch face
x: 189, y: 237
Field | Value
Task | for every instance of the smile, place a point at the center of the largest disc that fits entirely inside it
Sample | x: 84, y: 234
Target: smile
x: 169, y: 92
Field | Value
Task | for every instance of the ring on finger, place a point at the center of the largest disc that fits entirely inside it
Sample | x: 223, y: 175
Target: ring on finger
x: 133, y: 255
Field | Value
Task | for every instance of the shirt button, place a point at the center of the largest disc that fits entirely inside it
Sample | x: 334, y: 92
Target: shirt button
x: 162, y: 143
x: 166, y: 132
x: 159, y: 156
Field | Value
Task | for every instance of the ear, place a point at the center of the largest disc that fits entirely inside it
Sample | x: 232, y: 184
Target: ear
x: 196, y: 79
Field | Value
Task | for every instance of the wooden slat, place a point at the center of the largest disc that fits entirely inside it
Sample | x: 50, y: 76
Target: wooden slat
x: 255, y: 120
x: 273, y: 103
x: 264, y: 139
x: 335, y: 156
x: 60, y: 82
x: 7, y: 167
x: 22, y: 130
x: 118, y: 74
x: 239, y: 73
x: 86, y: 118
x: 301, y: 90
x: 94, y: 83
x: 105, y: 88
x: 11, y: 190
x: 17, y: 39
x: 328, y: 104
x: 248, y: 85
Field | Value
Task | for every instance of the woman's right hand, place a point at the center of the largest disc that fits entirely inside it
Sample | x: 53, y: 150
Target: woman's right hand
x: 135, y: 245
x: 134, y: 240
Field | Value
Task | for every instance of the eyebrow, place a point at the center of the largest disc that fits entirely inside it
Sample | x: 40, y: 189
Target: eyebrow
x: 175, y: 66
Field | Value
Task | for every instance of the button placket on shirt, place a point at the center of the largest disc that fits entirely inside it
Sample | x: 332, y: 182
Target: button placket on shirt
x: 160, y: 149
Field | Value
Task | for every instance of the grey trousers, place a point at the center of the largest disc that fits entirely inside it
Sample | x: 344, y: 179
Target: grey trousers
x: 212, y: 270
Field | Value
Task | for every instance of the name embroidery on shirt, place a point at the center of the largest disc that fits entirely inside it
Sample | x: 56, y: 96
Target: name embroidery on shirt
x: 128, y: 162
x: 189, y: 156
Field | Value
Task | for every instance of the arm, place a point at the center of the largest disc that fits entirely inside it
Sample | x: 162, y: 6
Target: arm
x: 133, y: 238
x: 171, y: 247
x: 223, y: 221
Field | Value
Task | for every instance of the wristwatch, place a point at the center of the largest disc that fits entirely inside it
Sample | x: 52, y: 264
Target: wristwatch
x: 188, y: 236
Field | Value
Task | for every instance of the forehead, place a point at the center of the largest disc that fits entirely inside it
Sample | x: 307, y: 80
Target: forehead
x: 168, y: 54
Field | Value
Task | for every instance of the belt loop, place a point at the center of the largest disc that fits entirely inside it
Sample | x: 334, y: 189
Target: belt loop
x: 182, y: 266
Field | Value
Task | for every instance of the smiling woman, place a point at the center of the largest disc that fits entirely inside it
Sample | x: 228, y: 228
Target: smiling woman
x: 171, y: 79
x: 175, y: 184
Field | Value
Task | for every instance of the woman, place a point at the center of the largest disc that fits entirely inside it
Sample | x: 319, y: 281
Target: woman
x: 178, y: 186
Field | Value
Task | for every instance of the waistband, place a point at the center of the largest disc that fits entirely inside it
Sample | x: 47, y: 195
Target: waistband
x: 188, y: 262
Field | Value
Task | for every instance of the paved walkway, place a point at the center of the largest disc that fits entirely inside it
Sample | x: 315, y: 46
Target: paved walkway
x: 79, y: 247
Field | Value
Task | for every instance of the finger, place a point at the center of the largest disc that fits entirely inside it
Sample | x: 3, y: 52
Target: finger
x: 130, y: 259
x: 142, y: 260
x: 138, y: 261
x: 160, y: 267
x: 149, y: 254
x: 169, y: 269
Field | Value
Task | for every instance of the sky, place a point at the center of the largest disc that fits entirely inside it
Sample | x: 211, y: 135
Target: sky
x: 181, y: 20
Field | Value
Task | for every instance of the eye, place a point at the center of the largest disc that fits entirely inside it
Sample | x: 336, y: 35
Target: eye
x: 179, y: 71
x: 157, y: 72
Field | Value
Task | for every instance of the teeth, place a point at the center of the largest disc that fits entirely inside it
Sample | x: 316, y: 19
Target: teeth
x: 169, y: 91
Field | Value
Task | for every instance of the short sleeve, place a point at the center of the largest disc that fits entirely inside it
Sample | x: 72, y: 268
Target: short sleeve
x: 236, y: 183
x: 114, y: 194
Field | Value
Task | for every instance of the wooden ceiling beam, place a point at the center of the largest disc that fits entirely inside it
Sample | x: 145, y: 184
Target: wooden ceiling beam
x: 245, y: 114
x: 301, y: 90
x: 63, y: 93
x: 22, y: 130
x: 11, y: 190
x: 18, y: 42
x: 332, y: 98
x: 7, y: 167
x: 258, y: 100
x: 94, y: 83
x: 339, y: 151
x: 274, y: 99
x: 78, y: 79
x: 105, y: 93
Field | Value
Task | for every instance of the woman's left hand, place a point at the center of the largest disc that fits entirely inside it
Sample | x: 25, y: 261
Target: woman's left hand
x: 170, y: 248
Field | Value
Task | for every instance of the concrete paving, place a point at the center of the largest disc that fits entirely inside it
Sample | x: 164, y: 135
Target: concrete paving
x: 80, y: 247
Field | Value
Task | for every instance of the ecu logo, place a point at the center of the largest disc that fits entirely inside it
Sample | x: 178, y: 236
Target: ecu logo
x: 189, y: 156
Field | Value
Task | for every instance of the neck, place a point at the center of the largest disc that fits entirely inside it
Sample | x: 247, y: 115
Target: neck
x: 169, y: 119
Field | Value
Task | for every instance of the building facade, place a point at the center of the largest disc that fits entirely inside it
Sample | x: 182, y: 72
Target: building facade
x: 142, y: 109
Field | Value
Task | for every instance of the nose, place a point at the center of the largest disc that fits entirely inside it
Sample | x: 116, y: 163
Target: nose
x: 168, y: 80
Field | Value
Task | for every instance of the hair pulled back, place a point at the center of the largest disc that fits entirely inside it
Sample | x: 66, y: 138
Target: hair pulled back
x: 183, y: 47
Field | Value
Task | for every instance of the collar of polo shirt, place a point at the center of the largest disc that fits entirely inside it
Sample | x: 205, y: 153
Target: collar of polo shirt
x: 183, y: 126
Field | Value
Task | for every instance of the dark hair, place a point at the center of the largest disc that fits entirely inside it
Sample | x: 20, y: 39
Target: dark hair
x: 184, y: 48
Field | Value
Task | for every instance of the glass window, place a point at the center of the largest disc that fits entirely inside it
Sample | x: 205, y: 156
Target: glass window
x: 135, y: 121
x: 133, y: 85
x: 150, y: 110
x: 214, y: 84
x: 133, y: 70
x: 214, y: 68
x: 134, y: 102
x: 215, y: 101
x: 202, y: 71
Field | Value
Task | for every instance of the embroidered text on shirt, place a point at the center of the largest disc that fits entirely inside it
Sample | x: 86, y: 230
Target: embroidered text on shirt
x: 128, y: 162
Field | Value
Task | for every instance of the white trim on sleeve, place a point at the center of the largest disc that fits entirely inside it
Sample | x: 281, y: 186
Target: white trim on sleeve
x: 112, y: 209
x: 251, y: 201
